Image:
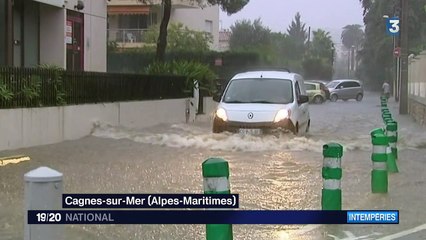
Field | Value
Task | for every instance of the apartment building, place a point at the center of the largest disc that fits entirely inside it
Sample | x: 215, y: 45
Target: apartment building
x: 128, y: 20
x: 67, y: 33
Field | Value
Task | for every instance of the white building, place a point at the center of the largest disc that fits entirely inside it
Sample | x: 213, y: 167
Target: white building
x: 67, y: 33
x: 128, y: 20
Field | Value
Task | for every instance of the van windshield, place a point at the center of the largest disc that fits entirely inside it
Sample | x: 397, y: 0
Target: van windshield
x: 259, y: 90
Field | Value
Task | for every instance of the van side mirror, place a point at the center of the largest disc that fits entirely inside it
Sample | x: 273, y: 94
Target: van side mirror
x: 303, y: 99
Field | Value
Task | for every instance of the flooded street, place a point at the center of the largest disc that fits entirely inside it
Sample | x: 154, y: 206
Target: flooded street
x: 268, y: 172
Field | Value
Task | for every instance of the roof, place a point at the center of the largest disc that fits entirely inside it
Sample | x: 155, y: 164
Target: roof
x: 346, y: 80
x: 265, y: 74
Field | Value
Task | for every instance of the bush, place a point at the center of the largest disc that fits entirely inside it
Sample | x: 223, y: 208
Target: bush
x: 317, y: 68
x: 193, y: 71
x: 136, y: 60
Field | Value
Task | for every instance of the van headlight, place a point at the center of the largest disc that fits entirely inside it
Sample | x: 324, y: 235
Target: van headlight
x: 221, y: 113
x: 281, y: 115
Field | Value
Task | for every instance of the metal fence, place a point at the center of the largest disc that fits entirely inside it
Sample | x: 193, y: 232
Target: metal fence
x: 37, y: 87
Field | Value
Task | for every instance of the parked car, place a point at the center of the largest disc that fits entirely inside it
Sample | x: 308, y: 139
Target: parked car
x: 263, y: 102
x: 345, y: 89
x: 323, y: 86
x: 315, y: 92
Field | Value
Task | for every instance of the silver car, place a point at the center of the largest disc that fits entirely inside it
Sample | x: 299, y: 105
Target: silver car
x: 345, y: 89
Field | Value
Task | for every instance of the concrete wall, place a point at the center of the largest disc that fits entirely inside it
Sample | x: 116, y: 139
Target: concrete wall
x: 417, y: 88
x: 39, y: 126
x: 52, y: 36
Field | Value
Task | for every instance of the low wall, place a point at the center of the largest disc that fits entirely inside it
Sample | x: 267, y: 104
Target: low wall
x: 27, y: 127
x: 417, y: 109
x: 417, y: 87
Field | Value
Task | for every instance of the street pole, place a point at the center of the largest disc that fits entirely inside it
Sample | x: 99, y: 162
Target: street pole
x: 403, y: 99
x: 349, y: 62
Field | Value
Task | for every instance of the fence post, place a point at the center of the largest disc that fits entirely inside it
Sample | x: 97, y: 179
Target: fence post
x: 43, y: 191
x: 216, y: 181
x: 332, y: 174
x: 379, y: 174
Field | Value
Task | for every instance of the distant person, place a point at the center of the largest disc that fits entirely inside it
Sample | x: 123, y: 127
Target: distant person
x: 386, y: 90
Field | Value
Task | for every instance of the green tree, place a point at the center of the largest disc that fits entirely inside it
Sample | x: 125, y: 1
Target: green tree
x: 377, y: 60
x: 352, y: 35
x: 247, y: 35
x: 181, y: 38
x: 229, y: 7
x: 298, y: 36
x: 322, y: 45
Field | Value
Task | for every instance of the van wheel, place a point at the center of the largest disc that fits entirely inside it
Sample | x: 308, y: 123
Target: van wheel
x: 333, y: 98
x: 359, y: 97
x: 318, y: 99
x: 217, y: 129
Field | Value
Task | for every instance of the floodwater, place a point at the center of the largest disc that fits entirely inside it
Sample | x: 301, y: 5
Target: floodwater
x: 268, y: 172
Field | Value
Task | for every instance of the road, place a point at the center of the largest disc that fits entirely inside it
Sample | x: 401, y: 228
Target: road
x: 268, y: 173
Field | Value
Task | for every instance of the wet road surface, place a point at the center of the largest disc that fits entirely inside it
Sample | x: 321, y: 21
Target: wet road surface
x: 268, y: 173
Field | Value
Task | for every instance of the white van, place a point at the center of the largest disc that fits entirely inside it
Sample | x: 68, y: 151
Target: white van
x: 261, y: 102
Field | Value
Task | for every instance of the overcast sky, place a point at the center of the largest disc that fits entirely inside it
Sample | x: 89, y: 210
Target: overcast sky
x: 331, y: 15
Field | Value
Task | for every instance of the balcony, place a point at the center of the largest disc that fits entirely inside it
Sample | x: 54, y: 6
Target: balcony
x: 128, y: 38
x: 176, y: 3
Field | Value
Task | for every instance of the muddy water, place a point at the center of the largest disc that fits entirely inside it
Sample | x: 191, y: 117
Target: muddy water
x: 268, y: 172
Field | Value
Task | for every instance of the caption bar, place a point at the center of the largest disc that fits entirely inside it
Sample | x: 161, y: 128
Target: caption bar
x: 212, y: 217
x: 150, y: 201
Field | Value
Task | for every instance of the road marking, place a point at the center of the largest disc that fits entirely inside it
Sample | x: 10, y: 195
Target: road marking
x: 351, y: 236
x: 404, y: 233
x: 305, y: 229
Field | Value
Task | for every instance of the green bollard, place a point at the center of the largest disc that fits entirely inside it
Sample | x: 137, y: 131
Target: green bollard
x: 216, y: 181
x: 391, y: 163
x: 376, y: 131
x: 386, y: 115
x: 392, y: 133
x: 332, y: 174
x: 379, y: 174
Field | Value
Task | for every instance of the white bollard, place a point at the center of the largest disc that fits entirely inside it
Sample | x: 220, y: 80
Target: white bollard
x: 43, y: 191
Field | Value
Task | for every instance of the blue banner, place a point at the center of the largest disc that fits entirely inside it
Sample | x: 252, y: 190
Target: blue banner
x: 203, y: 217
x: 150, y: 201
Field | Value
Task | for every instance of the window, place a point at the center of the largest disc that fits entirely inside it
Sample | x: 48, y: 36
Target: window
x: 332, y: 84
x: 309, y: 86
x: 298, y: 93
x: 139, y: 21
x: 353, y: 84
x: 278, y: 91
x: 208, y: 26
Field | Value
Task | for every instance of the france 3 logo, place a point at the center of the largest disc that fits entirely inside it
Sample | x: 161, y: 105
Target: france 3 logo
x: 393, y: 26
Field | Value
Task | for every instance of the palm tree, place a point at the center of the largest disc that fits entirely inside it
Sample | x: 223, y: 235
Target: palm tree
x: 322, y: 44
x: 352, y: 35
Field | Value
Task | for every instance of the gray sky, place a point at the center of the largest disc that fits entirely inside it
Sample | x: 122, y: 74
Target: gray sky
x: 331, y: 15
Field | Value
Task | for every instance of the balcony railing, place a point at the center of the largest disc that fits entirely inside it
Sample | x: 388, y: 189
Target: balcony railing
x: 127, y: 35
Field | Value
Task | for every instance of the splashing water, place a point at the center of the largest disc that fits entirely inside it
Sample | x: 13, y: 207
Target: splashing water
x: 189, y: 136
